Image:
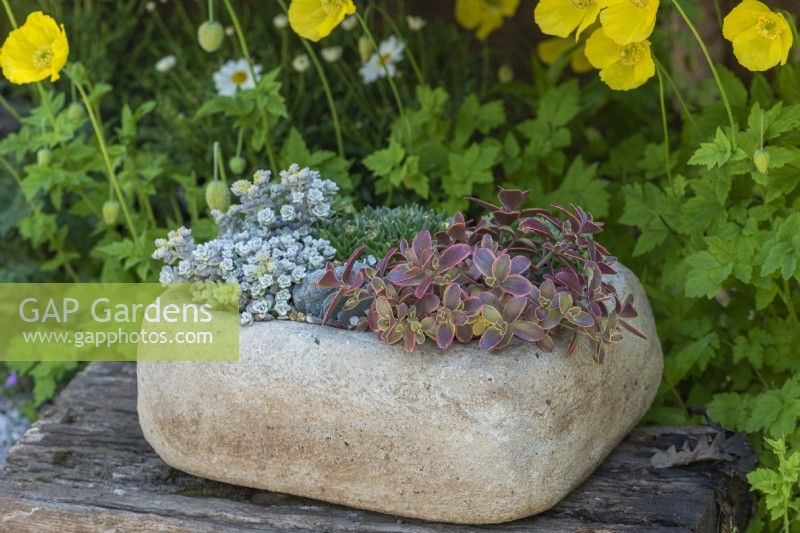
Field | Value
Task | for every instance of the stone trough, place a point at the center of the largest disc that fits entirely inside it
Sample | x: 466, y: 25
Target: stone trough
x: 459, y: 436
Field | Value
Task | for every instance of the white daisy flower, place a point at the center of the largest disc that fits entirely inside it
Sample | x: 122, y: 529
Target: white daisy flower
x: 280, y: 21
x: 235, y: 75
x: 301, y: 63
x: 166, y: 63
x: 415, y: 23
x: 331, y: 54
x: 349, y: 23
x: 390, y: 52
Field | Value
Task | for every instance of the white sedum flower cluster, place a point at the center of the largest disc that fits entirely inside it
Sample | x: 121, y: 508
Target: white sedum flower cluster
x: 265, y: 242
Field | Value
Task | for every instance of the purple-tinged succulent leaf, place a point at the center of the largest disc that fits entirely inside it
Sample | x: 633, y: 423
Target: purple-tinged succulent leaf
x: 464, y: 333
x: 454, y: 255
x: 478, y: 201
x: 516, y: 285
x: 491, y: 314
x: 422, y: 244
x: 627, y: 325
x: 547, y: 290
x: 528, y: 331
x: 329, y: 279
x: 473, y: 306
x: 511, y: 199
x: 625, y: 309
x: 505, y: 218
x: 552, y: 319
x: 457, y: 229
x: 501, y: 267
x: 520, y: 264
x: 452, y: 296
x: 423, y: 287
x: 483, y: 259
x: 490, y: 339
x: 546, y: 344
x: 579, y: 317
x: 445, y: 334
x: 514, y: 308
x: 427, y: 305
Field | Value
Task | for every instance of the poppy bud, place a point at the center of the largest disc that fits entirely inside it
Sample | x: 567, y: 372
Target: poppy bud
x: 217, y: 196
x: 505, y: 73
x: 365, y: 48
x: 44, y: 156
x: 237, y: 164
x: 761, y: 159
x: 210, y: 35
x: 110, y: 212
x: 75, y: 112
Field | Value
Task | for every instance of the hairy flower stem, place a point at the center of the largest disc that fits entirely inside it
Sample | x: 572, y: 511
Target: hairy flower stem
x: 717, y: 79
x: 10, y: 14
x: 325, y: 86
x: 112, y: 175
x: 411, y: 59
x: 246, y: 52
x: 664, y: 125
x: 674, y: 87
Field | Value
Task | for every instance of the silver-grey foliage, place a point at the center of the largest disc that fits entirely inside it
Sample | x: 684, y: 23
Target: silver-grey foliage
x: 265, y: 242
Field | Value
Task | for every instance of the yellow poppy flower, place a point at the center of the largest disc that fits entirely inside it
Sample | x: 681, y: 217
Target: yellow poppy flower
x: 551, y: 49
x: 761, y: 38
x: 562, y: 17
x: 484, y: 16
x: 629, y: 21
x: 36, y: 50
x: 315, y: 19
x: 621, y: 67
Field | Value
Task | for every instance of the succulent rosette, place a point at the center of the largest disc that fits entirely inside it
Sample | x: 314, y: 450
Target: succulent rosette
x: 523, y: 273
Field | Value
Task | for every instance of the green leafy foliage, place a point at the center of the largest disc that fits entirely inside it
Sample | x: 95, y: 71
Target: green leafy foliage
x: 780, y: 485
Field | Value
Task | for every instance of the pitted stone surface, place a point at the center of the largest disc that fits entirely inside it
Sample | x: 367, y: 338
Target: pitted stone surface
x: 458, y: 436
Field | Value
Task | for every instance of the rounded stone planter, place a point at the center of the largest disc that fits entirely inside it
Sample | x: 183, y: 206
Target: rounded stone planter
x: 458, y: 436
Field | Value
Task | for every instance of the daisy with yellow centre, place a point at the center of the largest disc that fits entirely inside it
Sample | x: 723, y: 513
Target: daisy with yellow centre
x: 235, y: 75
x: 383, y: 63
x: 761, y: 38
x: 550, y: 50
x: 315, y: 19
x: 562, y: 17
x: 35, y: 51
x: 484, y: 16
x: 622, y: 67
x: 629, y: 21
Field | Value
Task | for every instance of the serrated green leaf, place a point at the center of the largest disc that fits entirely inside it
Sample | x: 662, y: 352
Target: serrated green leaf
x: 705, y: 275
x: 781, y: 251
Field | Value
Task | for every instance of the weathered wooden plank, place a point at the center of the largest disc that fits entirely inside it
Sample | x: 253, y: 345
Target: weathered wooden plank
x: 85, y: 466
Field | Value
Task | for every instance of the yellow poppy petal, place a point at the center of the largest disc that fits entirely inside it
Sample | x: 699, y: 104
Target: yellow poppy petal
x: 742, y: 18
x: 550, y: 50
x: 629, y: 21
x: 600, y: 50
x: 35, y: 51
x: 315, y: 19
x: 484, y: 16
x: 621, y: 67
x: 761, y: 38
x: 579, y: 62
x: 562, y: 17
